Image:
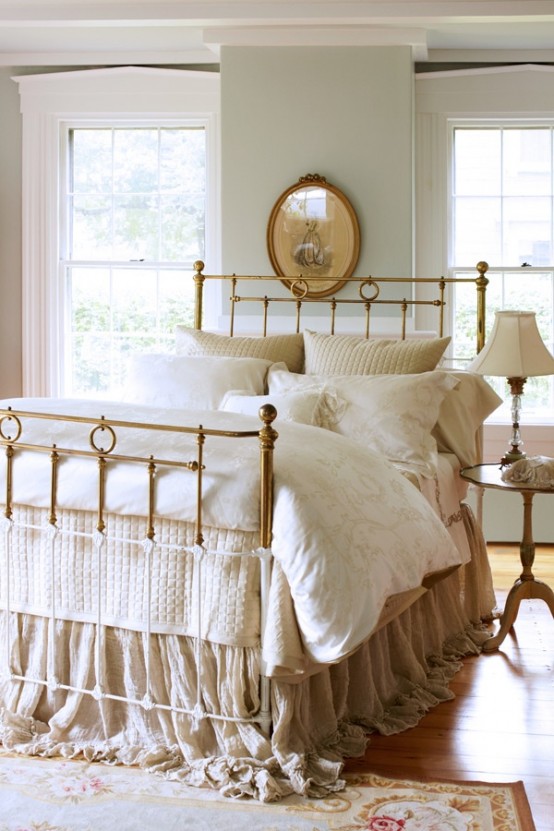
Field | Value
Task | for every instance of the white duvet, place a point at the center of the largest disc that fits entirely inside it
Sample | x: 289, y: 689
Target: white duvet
x: 349, y: 529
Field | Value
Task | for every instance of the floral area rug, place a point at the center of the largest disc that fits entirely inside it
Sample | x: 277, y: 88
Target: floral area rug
x: 59, y: 795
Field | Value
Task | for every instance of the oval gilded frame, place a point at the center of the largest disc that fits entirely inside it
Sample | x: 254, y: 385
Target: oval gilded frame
x: 313, y: 237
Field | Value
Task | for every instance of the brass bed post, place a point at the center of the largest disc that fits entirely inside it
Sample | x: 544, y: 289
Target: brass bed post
x: 198, y: 293
x: 8, y: 510
x: 267, y: 437
x: 481, y: 282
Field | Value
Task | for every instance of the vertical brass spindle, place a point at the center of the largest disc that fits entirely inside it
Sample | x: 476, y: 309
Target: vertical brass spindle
x: 100, y: 524
x: 266, y: 306
x: 442, y: 286
x: 404, y: 308
x: 8, y: 510
x: 298, y: 310
x: 200, y: 439
x: 234, y: 299
x: 367, y: 307
x: 150, y: 532
x: 333, y: 306
x: 54, y: 459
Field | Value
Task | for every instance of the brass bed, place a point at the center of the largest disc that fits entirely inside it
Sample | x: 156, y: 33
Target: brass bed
x: 142, y: 623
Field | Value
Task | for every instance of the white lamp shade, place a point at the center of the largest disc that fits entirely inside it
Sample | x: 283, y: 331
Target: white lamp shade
x: 514, y: 348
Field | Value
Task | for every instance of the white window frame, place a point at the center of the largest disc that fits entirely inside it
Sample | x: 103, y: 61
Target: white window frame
x: 48, y: 104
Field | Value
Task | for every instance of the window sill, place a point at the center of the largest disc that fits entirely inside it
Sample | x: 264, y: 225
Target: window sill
x: 538, y: 440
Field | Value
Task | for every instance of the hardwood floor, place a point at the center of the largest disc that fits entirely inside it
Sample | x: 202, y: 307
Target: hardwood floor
x: 500, y: 726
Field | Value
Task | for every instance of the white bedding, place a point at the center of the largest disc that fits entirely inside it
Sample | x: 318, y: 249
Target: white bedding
x: 342, y: 551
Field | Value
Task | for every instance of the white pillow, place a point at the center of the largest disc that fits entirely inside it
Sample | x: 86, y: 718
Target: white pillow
x: 301, y: 407
x: 195, y: 383
x: 393, y: 414
x: 280, y: 380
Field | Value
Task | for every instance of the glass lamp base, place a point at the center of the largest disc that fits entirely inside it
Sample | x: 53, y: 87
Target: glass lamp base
x: 515, y: 452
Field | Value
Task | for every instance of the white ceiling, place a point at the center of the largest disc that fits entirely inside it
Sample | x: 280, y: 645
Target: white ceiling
x: 79, y: 32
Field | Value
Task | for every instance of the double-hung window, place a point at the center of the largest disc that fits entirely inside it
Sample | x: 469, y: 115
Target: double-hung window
x: 502, y: 203
x: 120, y: 188
x: 133, y: 217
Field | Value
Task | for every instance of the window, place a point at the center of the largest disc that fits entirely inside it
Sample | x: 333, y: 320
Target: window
x: 120, y: 187
x: 134, y: 203
x: 502, y: 197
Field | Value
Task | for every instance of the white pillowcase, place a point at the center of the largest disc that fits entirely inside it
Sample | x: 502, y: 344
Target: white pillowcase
x: 392, y: 414
x: 280, y: 380
x: 301, y: 407
x: 195, y: 383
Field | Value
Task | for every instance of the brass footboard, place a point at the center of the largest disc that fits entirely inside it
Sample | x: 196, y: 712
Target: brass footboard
x: 98, y: 441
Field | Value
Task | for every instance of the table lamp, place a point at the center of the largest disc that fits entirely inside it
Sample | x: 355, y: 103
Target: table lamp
x: 516, y: 351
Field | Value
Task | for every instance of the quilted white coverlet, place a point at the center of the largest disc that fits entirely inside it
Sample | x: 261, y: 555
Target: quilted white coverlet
x: 349, y: 529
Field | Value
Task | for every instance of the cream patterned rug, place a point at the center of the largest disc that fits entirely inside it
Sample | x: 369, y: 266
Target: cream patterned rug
x: 57, y: 795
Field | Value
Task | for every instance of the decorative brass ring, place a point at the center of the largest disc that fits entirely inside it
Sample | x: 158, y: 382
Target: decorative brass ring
x: 369, y: 282
x: 18, y: 431
x: 296, y: 289
x: 101, y: 428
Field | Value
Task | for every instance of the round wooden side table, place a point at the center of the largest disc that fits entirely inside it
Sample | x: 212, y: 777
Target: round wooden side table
x: 526, y: 586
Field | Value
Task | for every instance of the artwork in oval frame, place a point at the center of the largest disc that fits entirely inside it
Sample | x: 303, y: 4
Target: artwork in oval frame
x: 313, y: 233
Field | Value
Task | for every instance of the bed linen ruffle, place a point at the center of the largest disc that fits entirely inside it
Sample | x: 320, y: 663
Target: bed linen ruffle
x: 387, y: 685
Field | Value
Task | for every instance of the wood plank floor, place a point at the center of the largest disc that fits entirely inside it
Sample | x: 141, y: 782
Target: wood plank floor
x: 500, y: 726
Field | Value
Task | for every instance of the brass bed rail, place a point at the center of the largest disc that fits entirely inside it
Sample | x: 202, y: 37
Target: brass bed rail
x: 368, y: 290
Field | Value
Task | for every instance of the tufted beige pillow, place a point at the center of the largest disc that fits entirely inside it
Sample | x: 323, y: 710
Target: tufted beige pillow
x: 353, y: 355
x: 286, y: 348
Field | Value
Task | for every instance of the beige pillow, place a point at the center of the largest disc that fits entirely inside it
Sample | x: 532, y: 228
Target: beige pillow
x: 461, y: 415
x: 286, y: 348
x: 353, y: 355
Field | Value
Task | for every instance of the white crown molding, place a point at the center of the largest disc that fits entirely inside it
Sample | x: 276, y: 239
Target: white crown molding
x: 257, y: 10
x: 485, y: 70
x: 111, y: 72
x: 66, y: 32
x: 491, y: 56
x: 95, y: 58
x: 279, y: 36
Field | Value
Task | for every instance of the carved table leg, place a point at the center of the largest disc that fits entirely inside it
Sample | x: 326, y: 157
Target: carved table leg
x: 526, y: 586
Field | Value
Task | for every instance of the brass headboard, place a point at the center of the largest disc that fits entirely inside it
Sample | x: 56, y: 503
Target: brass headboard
x: 371, y: 293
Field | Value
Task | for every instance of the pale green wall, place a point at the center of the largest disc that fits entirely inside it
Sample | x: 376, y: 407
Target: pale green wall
x: 345, y: 113
x: 10, y: 237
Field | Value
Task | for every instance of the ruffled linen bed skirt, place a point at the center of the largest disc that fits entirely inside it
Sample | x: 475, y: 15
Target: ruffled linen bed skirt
x: 387, y: 685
